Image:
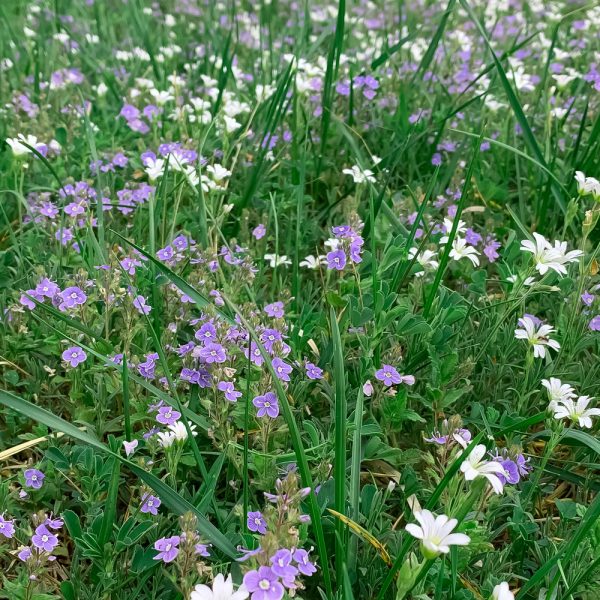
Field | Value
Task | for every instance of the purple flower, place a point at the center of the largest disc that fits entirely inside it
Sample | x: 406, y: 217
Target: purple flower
x: 275, y: 310
x: 213, y: 353
x: 586, y: 298
x: 34, y: 478
x: 7, y: 527
x: 255, y: 355
x: 282, y: 369
x: 282, y: 567
x: 25, y: 554
x: 490, y: 249
x: 523, y: 465
x: 43, y: 539
x: 166, y: 253
x: 259, y: 231
x: 263, y: 584
x: 595, y: 323
x: 302, y: 559
x: 206, y: 333
x: 167, y: 548
x: 267, y: 405
x: 167, y: 415
x: 201, y: 550
x: 472, y: 237
x: 511, y: 471
x: 256, y: 522
x: 71, y: 297
x: 336, y: 260
x: 312, y: 371
x: 150, y: 504
x: 74, y: 356
x: 231, y: 393
x: 120, y: 160
x: 47, y: 288
x: 140, y: 303
x: 388, y: 375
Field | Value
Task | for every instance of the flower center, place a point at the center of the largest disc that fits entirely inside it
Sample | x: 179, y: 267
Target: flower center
x: 264, y: 584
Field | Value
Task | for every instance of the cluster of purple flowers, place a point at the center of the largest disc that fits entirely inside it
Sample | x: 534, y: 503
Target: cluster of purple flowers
x: 348, y: 244
x: 133, y: 117
x: 270, y: 582
x: 43, y: 541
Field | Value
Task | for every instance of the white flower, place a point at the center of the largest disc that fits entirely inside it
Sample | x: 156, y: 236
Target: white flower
x: 448, y: 224
x: 161, y: 97
x: 175, y: 433
x: 537, y: 337
x: 218, y: 172
x: 332, y: 243
x: 460, y: 249
x: 565, y: 256
x: 548, y: 257
x: 154, y: 168
x: 435, y: 533
x: 310, y: 262
x: 358, y: 175
x: 587, y: 185
x: 527, y: 282
x: 557, y: 391
x: 425, y: 259
x: 230, y: 124
x: 264, y: 91
x: 502, y: 592
x: 575, y: 411
x: 277, y: 260
x: 222, y: 589
x: 475, y: 465
x: 19, y: 149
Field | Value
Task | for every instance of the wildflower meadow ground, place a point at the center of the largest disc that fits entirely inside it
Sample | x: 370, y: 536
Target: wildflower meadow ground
x: 299, y: 300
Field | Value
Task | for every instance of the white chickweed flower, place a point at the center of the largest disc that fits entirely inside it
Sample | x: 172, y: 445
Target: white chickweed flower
x: 460, y: 249
x: 536, y: 336
x: 476, y: 466
x: 502, y: 592
x: 435, y: 533
x: 575, y: 411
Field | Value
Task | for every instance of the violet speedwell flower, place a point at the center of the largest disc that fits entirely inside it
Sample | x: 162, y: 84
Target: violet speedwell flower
x: 231, y: 393
x: 43, y: 539
x: 167, y: 415
x: 256, y: 522
x: 34, y: 478
x: 74, y: 356
x: 167, y: 548
x: 150, y: 504
x: 263, y: 584
x: 267, y: 405
x: 7, y: 527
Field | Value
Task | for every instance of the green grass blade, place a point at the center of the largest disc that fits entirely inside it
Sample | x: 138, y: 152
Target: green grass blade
x: 339, y: 467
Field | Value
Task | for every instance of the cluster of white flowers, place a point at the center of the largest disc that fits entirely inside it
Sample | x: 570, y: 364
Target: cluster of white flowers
x: 460, y: 248
x: 175, y: 433
x: 547, y: 256
x: 565, y: 404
